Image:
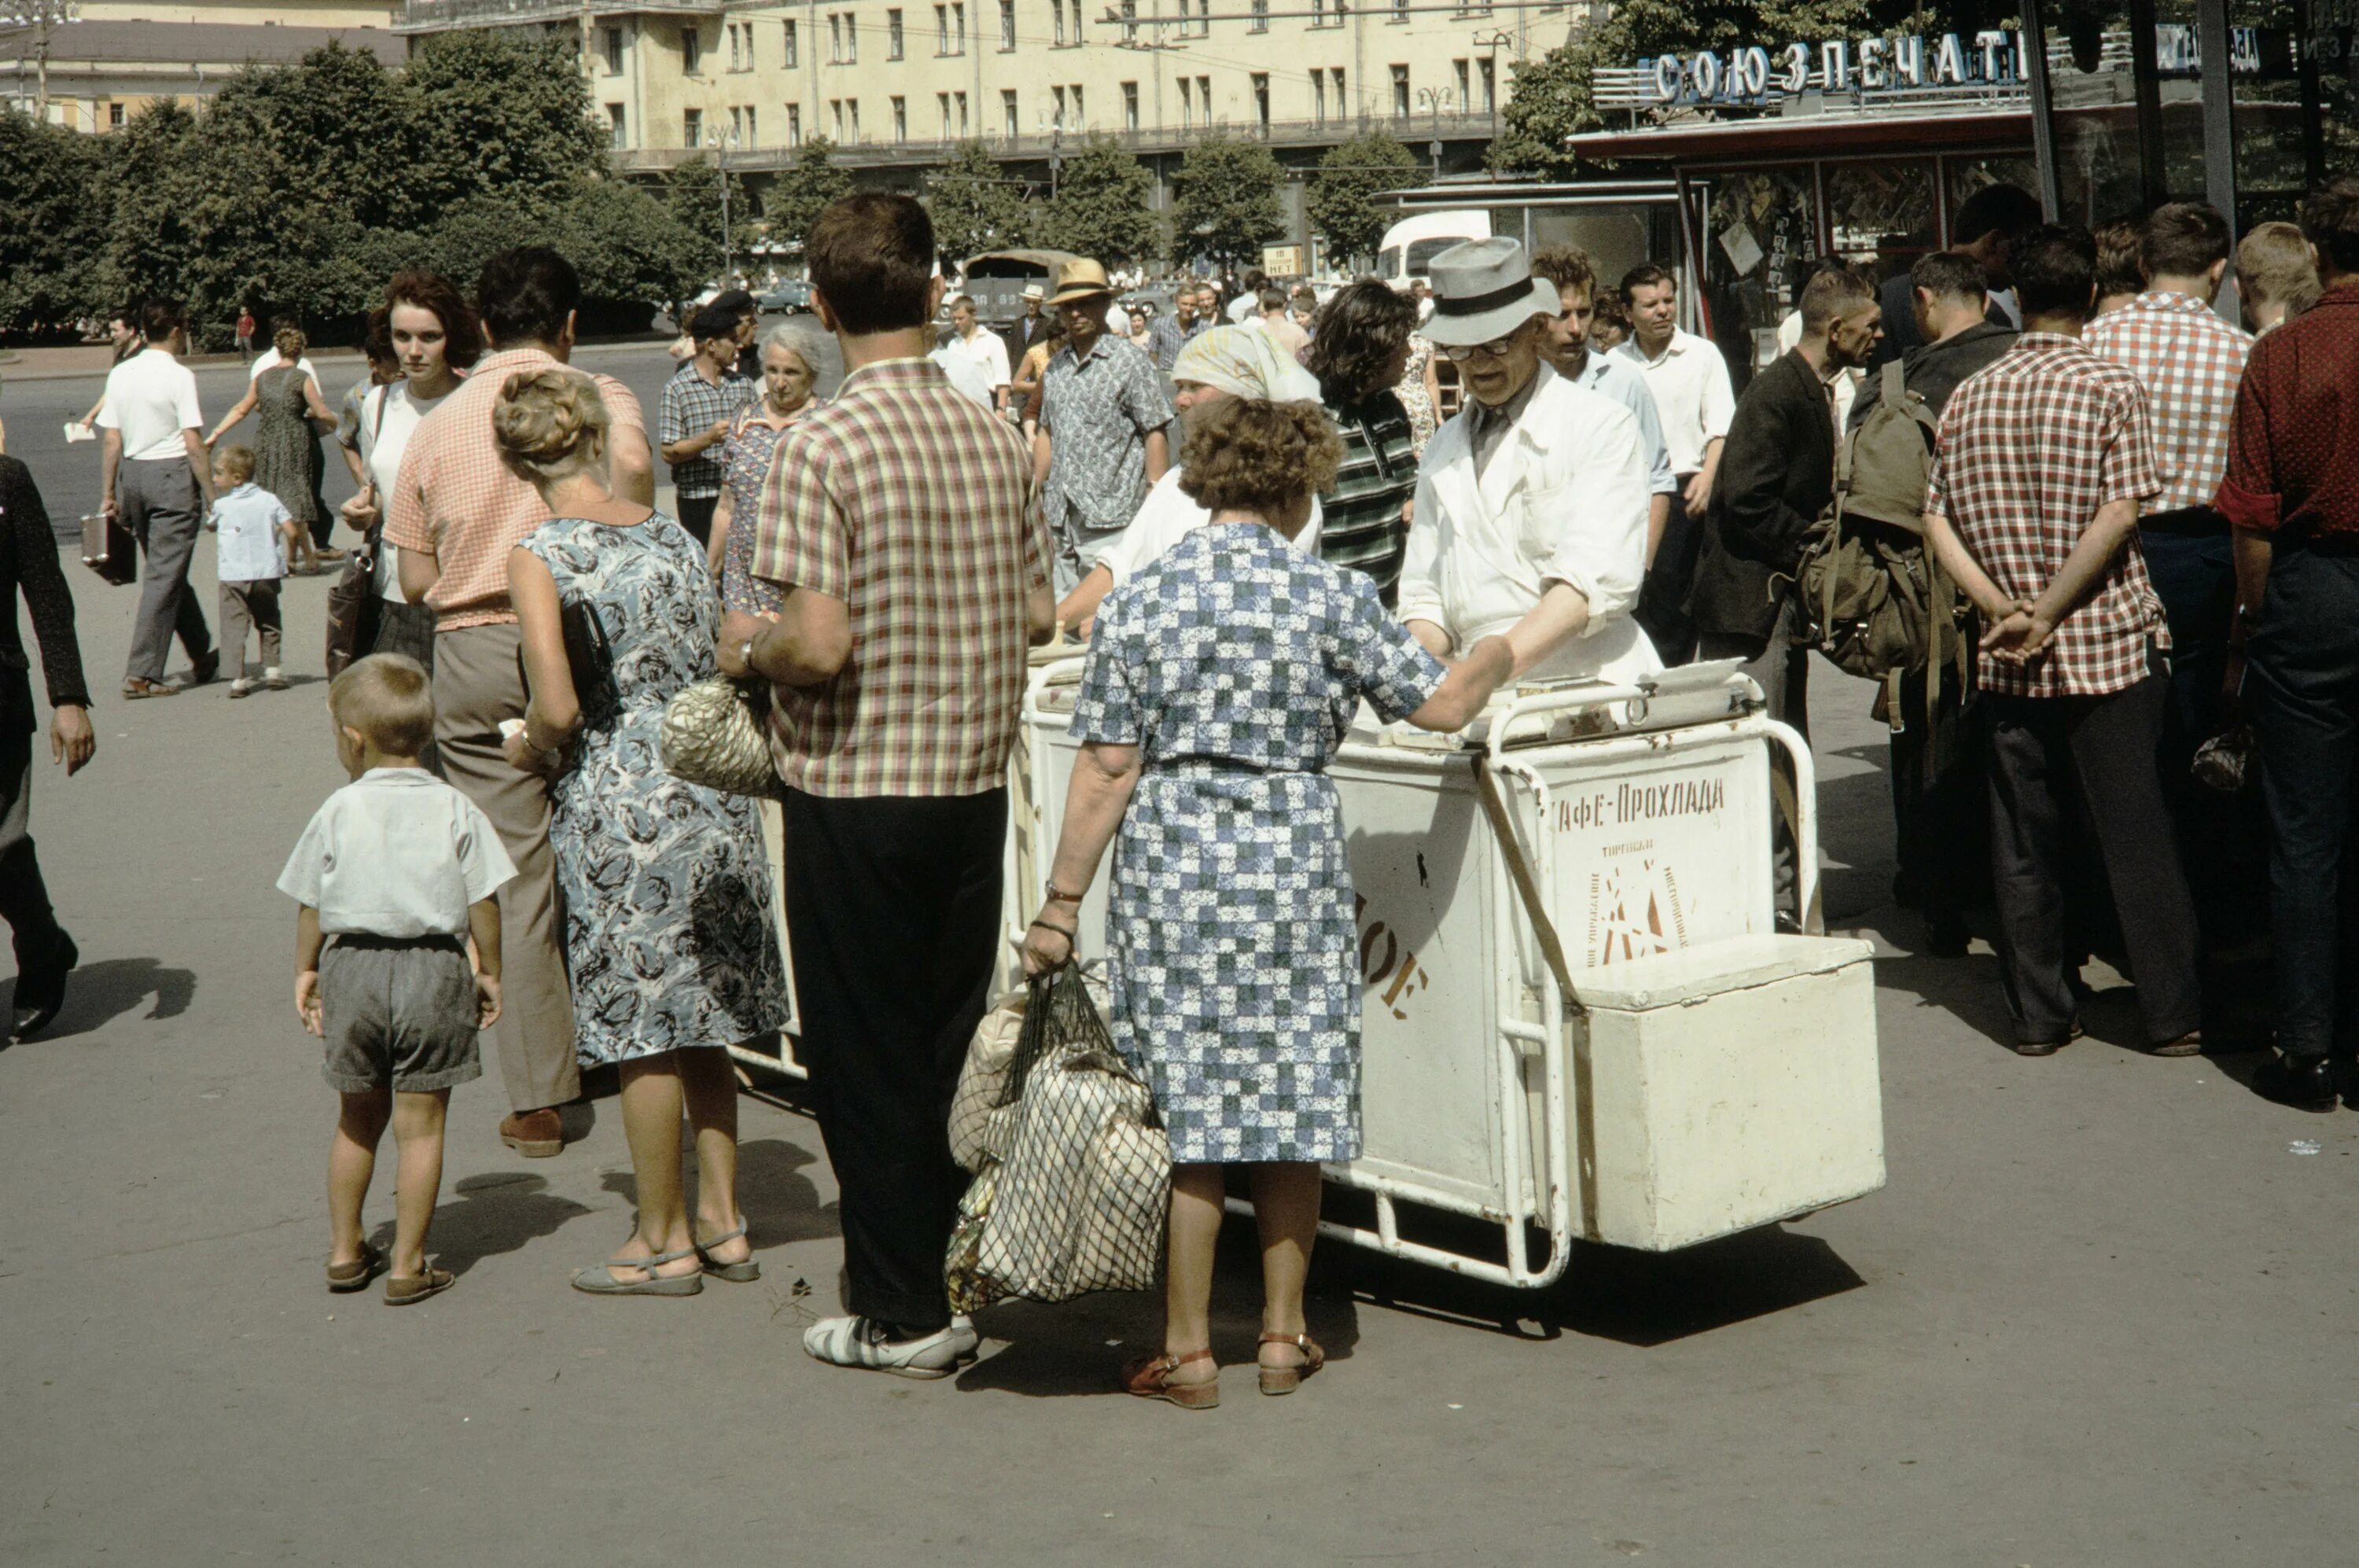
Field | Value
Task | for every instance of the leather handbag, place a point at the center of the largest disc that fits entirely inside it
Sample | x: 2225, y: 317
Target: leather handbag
x: 590, y: 658
x: 108, y: 549
x: 355, y: 611
x: 716, y: 733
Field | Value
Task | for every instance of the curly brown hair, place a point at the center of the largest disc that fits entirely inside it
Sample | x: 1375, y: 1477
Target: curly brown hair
x: 1360, y: 334
x: 1247, y: 455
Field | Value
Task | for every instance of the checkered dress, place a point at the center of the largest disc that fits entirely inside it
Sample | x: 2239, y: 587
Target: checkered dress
x: 2192, y: 363
x: 1235, y: 663
x: 916, y: 509
x: 2030, y: 448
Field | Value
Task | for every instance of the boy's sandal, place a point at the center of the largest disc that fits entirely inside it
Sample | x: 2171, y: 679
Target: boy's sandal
x: 1285, y: 1380
x: 742, y: 1273
x: 401, y: 1290
x: 345, y: 1278
x: 1149, y: 1378
x: 601, y: 1281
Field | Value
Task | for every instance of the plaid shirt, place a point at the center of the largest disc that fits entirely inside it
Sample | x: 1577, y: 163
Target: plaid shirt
x: 692, y: 406
x: 1166, y: 336
x: 455, y: 500
x: 1097, y: 414
x: 2190, y: 361
x: 914, y: 508
x: 2030, y: 449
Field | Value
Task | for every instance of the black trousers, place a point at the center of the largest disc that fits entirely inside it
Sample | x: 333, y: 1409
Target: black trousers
x: 1940, y: 801
x: 893, y: 911
x: 24, y: 897
x: 696, y: 515
x: 2304, y: 685
x: 2046, y: 754
x: 1662, y: 612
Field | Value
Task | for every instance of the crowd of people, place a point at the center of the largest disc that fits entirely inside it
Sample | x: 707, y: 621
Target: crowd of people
x: 2150, y: 516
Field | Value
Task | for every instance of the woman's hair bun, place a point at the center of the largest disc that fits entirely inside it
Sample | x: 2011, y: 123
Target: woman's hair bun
x: 550, y: 421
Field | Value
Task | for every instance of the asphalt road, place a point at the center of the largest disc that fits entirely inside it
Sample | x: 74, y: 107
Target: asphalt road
x: 2100, y: 1315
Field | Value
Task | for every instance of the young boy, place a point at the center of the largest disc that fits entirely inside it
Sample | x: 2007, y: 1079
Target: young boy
x: 393, y: 874
x: 257, y: 535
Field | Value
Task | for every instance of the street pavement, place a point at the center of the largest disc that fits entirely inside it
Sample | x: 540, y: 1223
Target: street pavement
x: 2099, y: 1315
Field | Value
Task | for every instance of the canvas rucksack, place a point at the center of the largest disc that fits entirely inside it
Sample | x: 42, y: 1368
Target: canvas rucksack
x: 1872, y: 597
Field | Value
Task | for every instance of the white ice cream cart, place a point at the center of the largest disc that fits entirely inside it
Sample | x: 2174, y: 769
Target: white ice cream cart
x: 1580, y: 1021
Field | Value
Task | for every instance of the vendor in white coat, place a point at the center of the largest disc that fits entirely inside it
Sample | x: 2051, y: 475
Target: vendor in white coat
x: 1530, y: 518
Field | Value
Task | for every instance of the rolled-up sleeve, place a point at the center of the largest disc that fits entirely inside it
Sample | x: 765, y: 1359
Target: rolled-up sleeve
x: 2249, y: 496
x: 1597, y: 541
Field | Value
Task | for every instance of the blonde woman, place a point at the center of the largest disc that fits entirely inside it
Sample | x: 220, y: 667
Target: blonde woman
x: 669, y: 934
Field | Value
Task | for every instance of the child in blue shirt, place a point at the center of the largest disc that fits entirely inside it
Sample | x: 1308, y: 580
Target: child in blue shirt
x: 255, y: 535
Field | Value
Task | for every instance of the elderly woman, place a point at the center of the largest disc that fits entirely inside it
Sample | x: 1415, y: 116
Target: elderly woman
x: 787, y: 379
x: 1221, y: 680
x: 1361, y: 356
x: 669, y: 934
x: 1225, y: 362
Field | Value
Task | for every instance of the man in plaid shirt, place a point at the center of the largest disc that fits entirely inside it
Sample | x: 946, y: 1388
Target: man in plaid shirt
x: 2032, y: 508
x: 901, y: 521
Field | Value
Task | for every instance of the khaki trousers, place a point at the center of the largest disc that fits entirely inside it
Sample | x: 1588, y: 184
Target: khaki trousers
x: 478, y: 681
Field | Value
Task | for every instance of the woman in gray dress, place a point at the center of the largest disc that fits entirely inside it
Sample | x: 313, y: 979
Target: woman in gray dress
x: 669, y: 940
x: 288, y: 460
x: 1220, y: 680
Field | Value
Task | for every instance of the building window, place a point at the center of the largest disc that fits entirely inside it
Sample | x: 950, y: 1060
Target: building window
x: 1400, y: 13
x: 691, y: 128
x: 1057, y: 23
x: 791, y: 52
x: 1076, y: 20
x: 736, y: 51
x: 1186, y: 105
x: 1057, y: 95
x: 962, y: 111
x: 1261, y: 100
x: 794, y: 125
x: 1486, y: 72
x: 114, y: 121
x: 1319, y: 96
x: 1204, y: 18
x: 1343, y: 103
x: 843, y: 39
x: 1204, y: 97
x: 943, y: 103
x: 958, y: 28
x: 1008, y: 27
x: 1129, y: 22
x: 610, y: 43
x: 892, y: 32
x: 691, y: 50
x: 1464, y: 95
x: 1009, y: 126
x: 1400, y: 92
x: 941, y: 29
x: 1260, y: 16
x: 753, y: 130
x: 835, y: 108
x: 900, y: 119
x: 851, y: 107
x: 1130, y: 106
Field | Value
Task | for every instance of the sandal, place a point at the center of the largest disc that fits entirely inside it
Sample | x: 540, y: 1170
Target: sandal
x: 402, y: 1290
x: 601, y: 1281
x: 742, y: 1273
x: 1285, y: 1380
x: 345, y: 1278
x: 1149, y: 1378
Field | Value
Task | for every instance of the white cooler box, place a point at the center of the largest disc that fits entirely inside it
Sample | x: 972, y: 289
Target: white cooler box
x: 1711, y: 1076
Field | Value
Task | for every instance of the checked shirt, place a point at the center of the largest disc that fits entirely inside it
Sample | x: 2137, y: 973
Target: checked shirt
x: 915, y: 508
x: 692, y: 406
x: 2030, y: 448
x: 2190, y: 361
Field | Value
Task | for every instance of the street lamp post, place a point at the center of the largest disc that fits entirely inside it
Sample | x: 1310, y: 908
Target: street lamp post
x: 1435, y: 99
x: 720, y: 142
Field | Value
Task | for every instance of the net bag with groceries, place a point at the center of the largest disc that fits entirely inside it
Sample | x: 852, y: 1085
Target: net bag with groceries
x: 1072, y: 1171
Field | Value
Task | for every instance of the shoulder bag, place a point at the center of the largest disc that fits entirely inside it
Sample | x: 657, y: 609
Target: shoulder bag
x: 355, y: 610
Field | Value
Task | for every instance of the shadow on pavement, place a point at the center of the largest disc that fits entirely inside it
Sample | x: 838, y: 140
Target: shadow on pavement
x: 488, y: 1215
x: 781, y: 1206
x: 100, y: 993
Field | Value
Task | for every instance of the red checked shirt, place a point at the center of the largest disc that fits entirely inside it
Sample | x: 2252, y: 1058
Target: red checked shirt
x: 915, y: 507
x: 2293, y: 455
x: 2190, y: 361
x: 2030, y: 448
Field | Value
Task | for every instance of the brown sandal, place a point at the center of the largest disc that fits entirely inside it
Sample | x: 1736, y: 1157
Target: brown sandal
x: 1149, y: 1378
x: 1285, y: 1380
x: 345, y: 1278
x: 402, y: 1290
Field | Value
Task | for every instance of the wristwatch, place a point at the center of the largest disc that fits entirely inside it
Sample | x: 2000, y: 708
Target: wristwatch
x: 746, y: 656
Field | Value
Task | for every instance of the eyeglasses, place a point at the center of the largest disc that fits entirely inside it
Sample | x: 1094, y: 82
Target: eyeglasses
x: 1458, y: 353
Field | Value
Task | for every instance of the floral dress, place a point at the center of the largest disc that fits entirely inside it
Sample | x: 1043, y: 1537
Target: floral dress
x: 669, y: 933
x: 1235, y: 664
x: 745, y: 464
x: 1423, y: 418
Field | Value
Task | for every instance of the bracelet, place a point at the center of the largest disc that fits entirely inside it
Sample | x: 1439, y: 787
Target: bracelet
x: 1056, y: 894
x: 1060, y: 930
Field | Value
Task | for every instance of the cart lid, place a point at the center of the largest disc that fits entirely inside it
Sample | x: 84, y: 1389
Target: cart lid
x: 1735, y: 964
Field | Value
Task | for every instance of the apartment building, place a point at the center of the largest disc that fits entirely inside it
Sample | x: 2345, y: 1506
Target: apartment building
x: 91, y: 65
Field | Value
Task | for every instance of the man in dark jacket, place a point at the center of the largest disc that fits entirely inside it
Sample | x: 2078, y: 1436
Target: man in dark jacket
x: 1988, y: 222
x: 1950, y: 309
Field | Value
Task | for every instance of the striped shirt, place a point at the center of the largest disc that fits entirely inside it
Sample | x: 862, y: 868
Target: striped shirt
x: 917, y: 509
x: 456, y: 501
x: 2190, y: 361
x: 692, y: 406
x: 1364, y: 526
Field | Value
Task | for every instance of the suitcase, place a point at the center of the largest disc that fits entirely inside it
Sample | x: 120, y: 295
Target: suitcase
x: 107, y: 548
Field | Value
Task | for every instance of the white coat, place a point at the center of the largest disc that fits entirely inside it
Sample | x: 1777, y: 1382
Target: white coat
x: 1564, y: 500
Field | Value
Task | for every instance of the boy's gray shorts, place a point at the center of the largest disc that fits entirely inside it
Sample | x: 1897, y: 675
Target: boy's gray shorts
x: 398, y: 1013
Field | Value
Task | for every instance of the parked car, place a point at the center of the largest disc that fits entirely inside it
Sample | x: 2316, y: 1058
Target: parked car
x: 791, y: 297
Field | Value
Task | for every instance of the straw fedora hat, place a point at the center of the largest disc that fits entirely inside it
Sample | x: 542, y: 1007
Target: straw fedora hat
x: 1484, y: 290
x: 1080, y: 279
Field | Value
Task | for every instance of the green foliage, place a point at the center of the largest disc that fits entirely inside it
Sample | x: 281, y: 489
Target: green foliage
x: 1227, y: 205
x: 802, y: 193
x: 977, y: 207
x: 1104, y: 206
x: 1341, y: 200
x: 694, y: 195
x: 503, y: 110
x: 51, y: 227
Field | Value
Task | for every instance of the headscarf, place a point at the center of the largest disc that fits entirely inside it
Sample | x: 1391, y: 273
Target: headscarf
x: 1243, y: 362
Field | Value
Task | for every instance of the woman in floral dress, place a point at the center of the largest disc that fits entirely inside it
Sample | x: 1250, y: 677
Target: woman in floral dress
x: 1220, y: 680
x: 668, y: 935
x: 789, y: 377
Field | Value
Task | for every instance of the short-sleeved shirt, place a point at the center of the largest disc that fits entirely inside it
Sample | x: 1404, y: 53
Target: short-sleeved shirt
x: 1364, y: 528
x: 151, y: 397
x: 456, y: 501
x: 1097, y: 413
x: 2293, y: 455
x: 397, y: 852
x: 692, y: 406
x: 246, y: 524
x: 2190, y: 361
x: 2030, y: 449
x: 986, y: 352
x: 916, y: 509
x: 1166, y: 337
x: 1693, y: 396
x: 1617, y: 378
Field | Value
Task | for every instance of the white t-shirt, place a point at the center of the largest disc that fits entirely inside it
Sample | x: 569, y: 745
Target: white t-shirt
x: 1168, y: 515
x: 151, y: 397
x: 269, y: 360
x: 1692, y: 394
x: 381, y: 448
x: 964, y: 373
x: 988, y: 352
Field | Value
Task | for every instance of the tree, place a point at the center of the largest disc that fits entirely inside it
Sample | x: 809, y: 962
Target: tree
x: 632, y: 252
x: 1341, y: 198
x: 1226, y: 206
x: 694, y: 193
x: 1104, y: 205
x: 803, y: 192
x: 502, y: 110
x: 52, y: 227
x: 976, y: 206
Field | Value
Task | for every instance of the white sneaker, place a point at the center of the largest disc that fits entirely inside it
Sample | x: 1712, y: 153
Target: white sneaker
x: 853, y: 1342
x: 274, y: 679
x: 963, y: 1331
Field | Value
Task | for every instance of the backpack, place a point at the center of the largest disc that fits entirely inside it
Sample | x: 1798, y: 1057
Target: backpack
x: 1872, y: 597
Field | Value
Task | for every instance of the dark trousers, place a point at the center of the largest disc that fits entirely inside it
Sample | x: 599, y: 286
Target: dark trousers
x: 24, y: 897
x: 2304, y: 686
x: 1781, y: 666
x: 1662, y: 612
x: 893, y: 912
x: 696, y: 515
x: 1939, y: 851
x: 2046, y: 754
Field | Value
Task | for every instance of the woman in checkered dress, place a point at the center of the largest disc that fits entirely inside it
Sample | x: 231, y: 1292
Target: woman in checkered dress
x: 1221, y: 681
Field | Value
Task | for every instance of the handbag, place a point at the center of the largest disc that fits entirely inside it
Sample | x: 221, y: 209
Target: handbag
x: 590, y: 658
x: 715, y: 732
x: 355, y: 610
x: 108, y: 549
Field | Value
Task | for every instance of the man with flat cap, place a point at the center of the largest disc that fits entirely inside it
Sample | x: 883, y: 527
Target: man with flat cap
x: 1530, y: 518
x: 699, y: 402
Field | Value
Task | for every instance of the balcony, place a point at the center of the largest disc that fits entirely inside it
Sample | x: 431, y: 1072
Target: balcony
x: 451, y: 15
